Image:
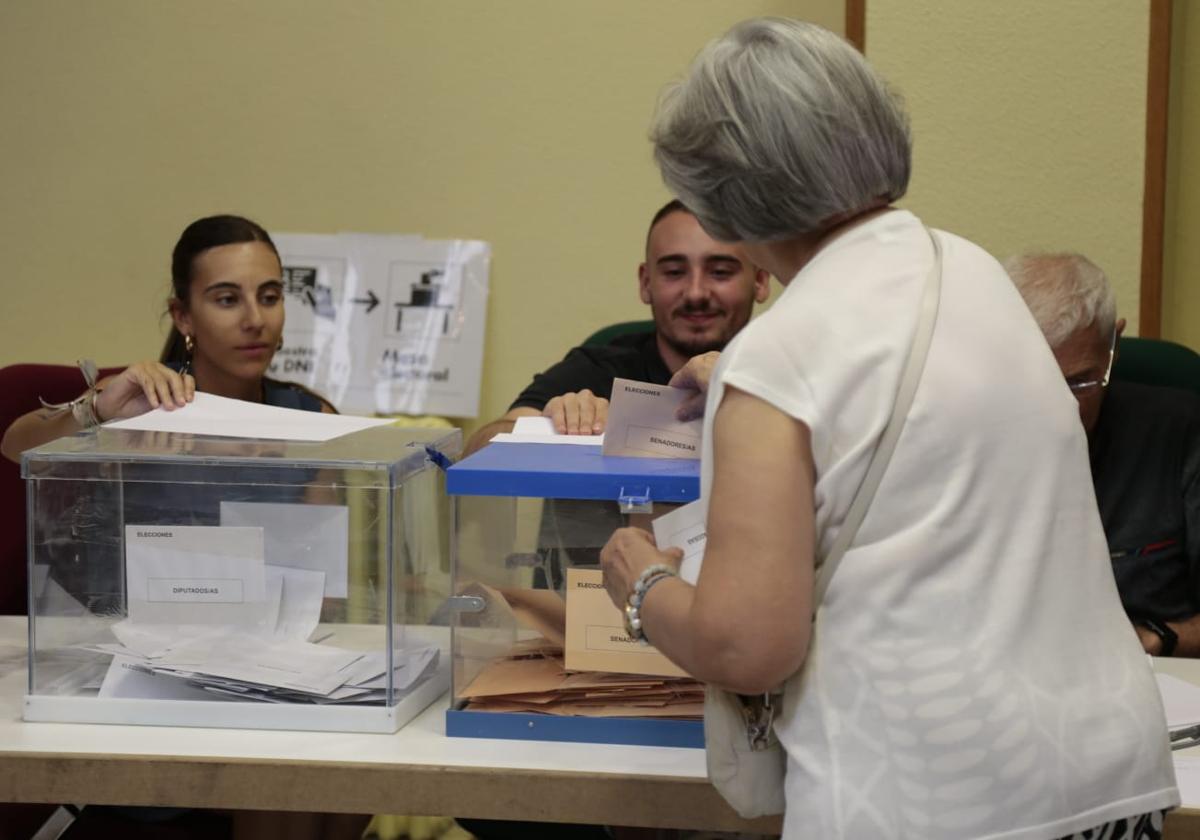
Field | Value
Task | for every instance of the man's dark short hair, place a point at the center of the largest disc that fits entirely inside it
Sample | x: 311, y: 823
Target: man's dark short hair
x: 672, y: 206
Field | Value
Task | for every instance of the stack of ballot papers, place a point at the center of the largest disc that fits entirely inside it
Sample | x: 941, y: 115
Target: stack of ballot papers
x: 533, y: 677
x: 532, y: 680
x: 202, y: 663
x: 208, y: 619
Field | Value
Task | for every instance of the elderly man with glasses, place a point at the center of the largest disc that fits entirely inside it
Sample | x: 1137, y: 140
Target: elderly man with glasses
x: 1144, y: 443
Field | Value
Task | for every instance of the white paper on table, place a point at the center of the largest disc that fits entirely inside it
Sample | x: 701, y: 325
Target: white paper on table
x: 315, y: 537
x: 684, y: 528
x: 540, y: 429
x: 1181, y: 700
x: 195, y: 574
x: 213, y: 416
x: 127, y: 677
x: 1187, y: 778
x: 642, y: 424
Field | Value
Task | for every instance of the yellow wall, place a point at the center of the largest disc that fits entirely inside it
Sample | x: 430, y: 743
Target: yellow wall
x: 1029, y: 122
x: 521, y: 123
x: 1181, y: 246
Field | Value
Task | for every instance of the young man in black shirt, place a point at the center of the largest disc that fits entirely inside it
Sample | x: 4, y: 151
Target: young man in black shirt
x: 701, y: 293
x: 1144, y: 445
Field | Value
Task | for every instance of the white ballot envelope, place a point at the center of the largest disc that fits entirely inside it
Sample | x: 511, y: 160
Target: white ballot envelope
x: 195, y: 574
x: 642, y: 424
x: 313, y: 537
x: 540, y: 429
x: 684, y: 528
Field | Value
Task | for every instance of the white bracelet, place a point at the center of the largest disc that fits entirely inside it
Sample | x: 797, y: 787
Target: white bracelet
x: 633, y: 607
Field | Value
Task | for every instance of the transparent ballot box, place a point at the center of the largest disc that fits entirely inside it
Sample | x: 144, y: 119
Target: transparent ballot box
x: 538, y: 650
x: 201, y: 581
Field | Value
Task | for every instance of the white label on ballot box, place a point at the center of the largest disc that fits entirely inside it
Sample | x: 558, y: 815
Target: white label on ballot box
x: 170, y: 570
x: 195, y: 591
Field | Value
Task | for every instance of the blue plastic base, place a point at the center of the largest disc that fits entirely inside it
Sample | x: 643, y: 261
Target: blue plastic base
x: 645, y: 732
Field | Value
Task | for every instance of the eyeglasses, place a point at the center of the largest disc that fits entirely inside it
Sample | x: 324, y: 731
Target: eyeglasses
x: 1085, y: 387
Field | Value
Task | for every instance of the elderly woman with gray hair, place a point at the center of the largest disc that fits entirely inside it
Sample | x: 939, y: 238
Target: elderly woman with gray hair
x: 969, y: 671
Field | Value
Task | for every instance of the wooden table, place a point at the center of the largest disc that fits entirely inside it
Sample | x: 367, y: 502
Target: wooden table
x: 418, y: 770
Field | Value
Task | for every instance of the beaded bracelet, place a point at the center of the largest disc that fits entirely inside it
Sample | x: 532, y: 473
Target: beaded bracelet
x: 633, y: 607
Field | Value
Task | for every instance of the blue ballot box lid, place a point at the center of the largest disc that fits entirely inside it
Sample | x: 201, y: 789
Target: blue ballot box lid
x: 567, y: 471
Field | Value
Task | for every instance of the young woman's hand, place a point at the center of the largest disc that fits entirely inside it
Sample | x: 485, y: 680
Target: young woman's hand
x: 141, y: 387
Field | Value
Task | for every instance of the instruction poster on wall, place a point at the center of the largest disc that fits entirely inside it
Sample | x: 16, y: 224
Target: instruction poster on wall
x: 382, y: 323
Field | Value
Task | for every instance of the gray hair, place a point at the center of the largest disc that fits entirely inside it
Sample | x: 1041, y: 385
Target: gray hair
x: 1066, y: 293
x: 779, y: 128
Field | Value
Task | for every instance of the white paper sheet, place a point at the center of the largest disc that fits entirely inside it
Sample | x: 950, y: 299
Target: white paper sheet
x: 1181, y: 701
x: 195, y: 574
x: 540, y: 429
x: 683, y: 528
x: 642, y: 424
x: 281, y: 664
x: 371, y: 671
x: 128, y: 677
x: 1187, y: 777
x: 314, y: 537
x: 215, y: 416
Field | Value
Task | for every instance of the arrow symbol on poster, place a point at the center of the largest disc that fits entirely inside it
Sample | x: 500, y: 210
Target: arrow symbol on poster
x: 371, y: 300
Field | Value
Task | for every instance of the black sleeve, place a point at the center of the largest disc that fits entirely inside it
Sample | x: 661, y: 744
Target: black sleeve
x: 1191, y: 504
x: 583, y: 367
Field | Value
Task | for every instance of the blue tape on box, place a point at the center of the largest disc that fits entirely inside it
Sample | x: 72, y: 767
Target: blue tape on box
x: 565, y: 471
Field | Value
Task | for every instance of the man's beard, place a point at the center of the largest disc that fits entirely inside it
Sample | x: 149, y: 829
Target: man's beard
x: 700, y: 344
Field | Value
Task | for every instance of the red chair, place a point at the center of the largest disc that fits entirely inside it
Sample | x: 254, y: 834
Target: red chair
x: 21, y: 386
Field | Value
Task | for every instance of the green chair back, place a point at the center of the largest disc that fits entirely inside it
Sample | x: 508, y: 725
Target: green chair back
x: 606, y: 334
x: 1152, y: 361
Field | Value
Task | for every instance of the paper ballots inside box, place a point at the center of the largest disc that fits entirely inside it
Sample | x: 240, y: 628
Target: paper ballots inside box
x: 314, y: 537
x: 684, y: 528
x: 642, y: 424
x: 195, y: 574
x: 596, y: 637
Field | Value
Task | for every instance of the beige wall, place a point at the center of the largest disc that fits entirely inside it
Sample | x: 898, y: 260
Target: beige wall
x: 1029, y: 122
x: 1181, y: 246
x: 522, y: 123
